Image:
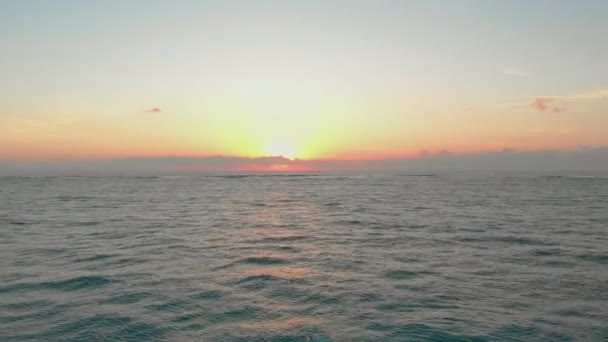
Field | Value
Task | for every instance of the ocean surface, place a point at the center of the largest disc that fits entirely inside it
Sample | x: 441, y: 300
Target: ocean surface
x: 312, y: 257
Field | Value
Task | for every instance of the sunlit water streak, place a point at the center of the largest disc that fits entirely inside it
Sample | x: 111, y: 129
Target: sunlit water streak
x: 304, y: 258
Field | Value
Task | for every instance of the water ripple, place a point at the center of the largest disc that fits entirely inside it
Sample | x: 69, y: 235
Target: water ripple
x: 324, y: 257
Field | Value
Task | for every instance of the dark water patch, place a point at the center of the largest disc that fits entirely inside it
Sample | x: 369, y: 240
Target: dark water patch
x: 473, y: 230
x: 267, y: 225
x: 115, y: 328
x: 72, y: 284
x: 151, y: 177
x: 571, y: 312
x: 128, y: 298
x: 598, y: 258
x: 360, y: 209
x: 95, y: 257
x: 351, y: 222
x: 84, y: 224
x: 233, y: 176
x: 320, y: 298
x: 288, y: 338
x: 46, y: 251
x: 406, y: 259
x: 172, y: 305
x: 263, y: 261
x: 92, y: 325
x: 118, y: 235
x: 124, y: 262
x: 27, y: 305
x: 208, y: 295
x: 287, y: 290
x: 17, y: 223
x: 601, y: 333
x: 431, y: 303
x: 401, y: 274
x: 75, y: 198
x: 243, y: 313
x: 420, y: 332
x: 370, y: 297
x: 257, y: 282
x: 344, y: 264
x: 78, y: 283
x: 285, y: 249
x: 288, y: 238
x: 187, y: 318
x: 517, y: 332
x: 193, y: 327
x: 44, y: 313
x: 547, y: 252
x: 11, y: 277
x: 415, y: 304
x: 416, y: 226
x: 557, y: 263
x: 420, y: 175
x: 515, y: 240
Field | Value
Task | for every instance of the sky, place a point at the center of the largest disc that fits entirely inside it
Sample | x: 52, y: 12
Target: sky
x: 356, y: 82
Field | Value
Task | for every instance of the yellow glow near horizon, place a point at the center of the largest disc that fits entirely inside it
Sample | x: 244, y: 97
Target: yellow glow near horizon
x: 282, y: 148
x: 280, y: 110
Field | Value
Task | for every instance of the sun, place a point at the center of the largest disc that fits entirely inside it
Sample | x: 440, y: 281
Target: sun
x: 282, y: 148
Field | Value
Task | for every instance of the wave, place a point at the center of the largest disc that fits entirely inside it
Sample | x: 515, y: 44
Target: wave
x: 95, y: 257
x: 71, y: 284
x: 263, y: 261
x: 288, y: 238
x: 400, y: 274
x: 128, y: 298
x: 518, y: 240
x: 594, y: 257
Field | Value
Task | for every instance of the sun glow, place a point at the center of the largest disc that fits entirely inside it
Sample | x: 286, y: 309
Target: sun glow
x: 282, y: 148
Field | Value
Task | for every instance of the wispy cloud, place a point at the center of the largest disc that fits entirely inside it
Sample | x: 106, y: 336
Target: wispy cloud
x: 514, y: 71
x: 543, y: 104
x: 153, y: 110
x: 589, y: 95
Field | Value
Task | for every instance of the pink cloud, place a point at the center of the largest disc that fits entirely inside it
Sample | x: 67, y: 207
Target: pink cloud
x: 548, y: 104
x: 153, y: 110
x: 541, y: 103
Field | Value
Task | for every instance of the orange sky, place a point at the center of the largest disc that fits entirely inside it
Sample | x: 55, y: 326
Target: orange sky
x: 365, y: 81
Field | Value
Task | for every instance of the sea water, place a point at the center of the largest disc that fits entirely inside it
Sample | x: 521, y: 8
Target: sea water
x: 310, y: 257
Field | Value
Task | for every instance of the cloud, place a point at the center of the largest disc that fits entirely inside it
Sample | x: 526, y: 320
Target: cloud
x: 514, y: 71
x: 598, y: 94
x: 582, y: 159
x: 153, y: 110
x: 543, y: 104
x: 589, y: 95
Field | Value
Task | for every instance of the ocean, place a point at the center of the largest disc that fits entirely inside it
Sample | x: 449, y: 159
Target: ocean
x: 304, y: 257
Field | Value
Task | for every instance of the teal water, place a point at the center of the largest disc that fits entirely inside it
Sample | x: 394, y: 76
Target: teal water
x: 370, y: 257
